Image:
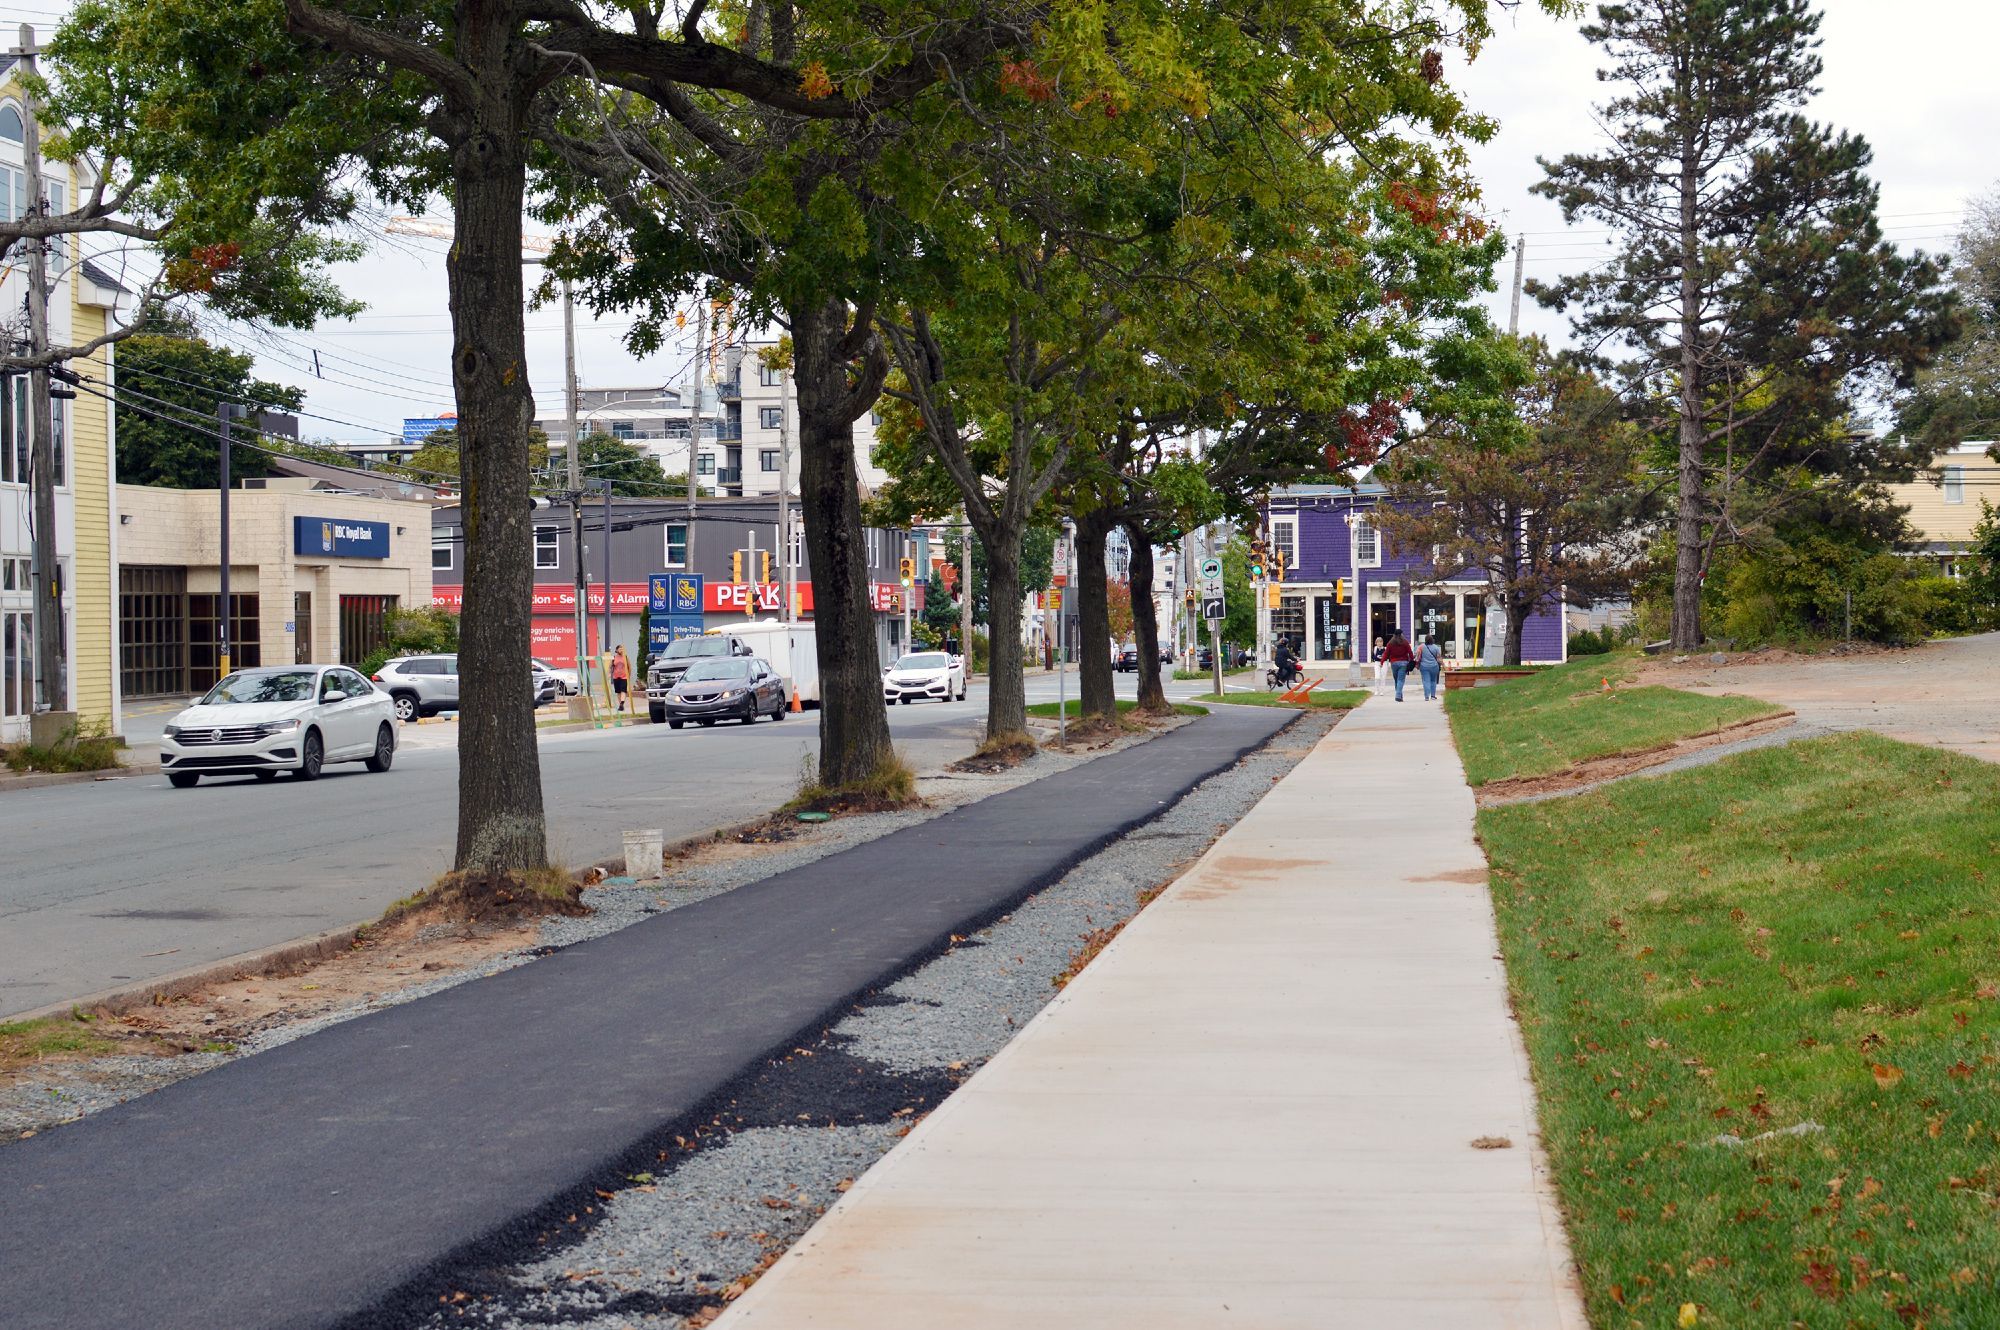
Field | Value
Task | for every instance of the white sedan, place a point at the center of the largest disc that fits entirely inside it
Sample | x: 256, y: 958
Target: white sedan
x: 292, y: 718
x: 925, y: 674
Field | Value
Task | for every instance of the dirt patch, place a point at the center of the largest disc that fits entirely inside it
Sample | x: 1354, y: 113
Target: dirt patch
x: 491, y: 897
x: 1670, y: 670
x: 855, y: 801
x: 1474, y: 877
x: 1601, y: 769
x: 996, y: 755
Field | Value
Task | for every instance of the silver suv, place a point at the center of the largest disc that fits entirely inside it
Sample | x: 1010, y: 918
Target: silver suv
x: 420, y: 685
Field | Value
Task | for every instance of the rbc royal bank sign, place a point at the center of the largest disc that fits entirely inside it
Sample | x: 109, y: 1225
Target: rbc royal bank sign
x: 342, y: 537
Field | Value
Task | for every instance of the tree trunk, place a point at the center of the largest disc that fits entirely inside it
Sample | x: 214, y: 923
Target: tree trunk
x: 1006, y: 689
x: 1145, y: 622
x: 854, y: 741
x: 1096, y: 693
x: 1517, y: 622
x: 1687, y: 516
x: 500, y: 818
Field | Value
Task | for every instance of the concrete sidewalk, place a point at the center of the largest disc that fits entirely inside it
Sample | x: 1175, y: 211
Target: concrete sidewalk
x: 1255, y: 1108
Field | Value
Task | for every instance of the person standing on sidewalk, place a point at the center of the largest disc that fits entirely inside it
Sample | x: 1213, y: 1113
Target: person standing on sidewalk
x: 621, y: 675
x: 1430, y: 665
x: 1381, y: 668
x: 1397, y: 656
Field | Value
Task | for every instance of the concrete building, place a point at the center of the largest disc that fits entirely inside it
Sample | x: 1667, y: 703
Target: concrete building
x: 1945, y: 504
x: 650, y: 536
x: 86, y: 544
x: 312, y: 575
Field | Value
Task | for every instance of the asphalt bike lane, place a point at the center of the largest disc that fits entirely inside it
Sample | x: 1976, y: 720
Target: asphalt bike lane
x: 306, y: 1185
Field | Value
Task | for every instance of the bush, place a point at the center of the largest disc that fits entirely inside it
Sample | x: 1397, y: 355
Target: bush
x: 413, y: 632
x: 1592, y: 642
x: 982, y: 652
x: 1799, y: 592
x: 90, y: 748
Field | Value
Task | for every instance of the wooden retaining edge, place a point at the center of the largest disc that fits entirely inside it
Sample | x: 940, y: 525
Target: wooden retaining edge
x: 1663, y: 751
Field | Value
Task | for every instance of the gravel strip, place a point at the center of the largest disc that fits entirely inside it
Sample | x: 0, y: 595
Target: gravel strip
x: 671, y: 1245
x: 66, y: 1091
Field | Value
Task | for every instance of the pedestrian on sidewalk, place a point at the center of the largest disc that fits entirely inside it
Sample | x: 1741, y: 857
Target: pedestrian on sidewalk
x: 1381, y: 666
x: 1430, y: 664
x: 1397, y: 655
x: 621, y: 675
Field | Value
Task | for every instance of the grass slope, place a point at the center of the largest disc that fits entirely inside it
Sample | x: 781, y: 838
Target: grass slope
x: 1799, y: 934
x: 1562, y: 716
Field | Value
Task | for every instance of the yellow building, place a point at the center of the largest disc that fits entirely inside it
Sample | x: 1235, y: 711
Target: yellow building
x: 1945, y: 503
x: 84, y: 298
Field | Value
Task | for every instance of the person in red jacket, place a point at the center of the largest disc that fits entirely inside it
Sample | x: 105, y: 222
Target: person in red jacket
x: 1398, y: 657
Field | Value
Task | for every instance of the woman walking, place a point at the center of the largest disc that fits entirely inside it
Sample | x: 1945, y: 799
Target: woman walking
x: 1430, y: 665
x: 1381, y: 667
x: 621, y: 675
x: 1398, y: 657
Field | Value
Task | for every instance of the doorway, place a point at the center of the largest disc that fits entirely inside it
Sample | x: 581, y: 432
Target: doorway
x: 1384, y: 622
x: 302, y: 628
x: 1435, y: 615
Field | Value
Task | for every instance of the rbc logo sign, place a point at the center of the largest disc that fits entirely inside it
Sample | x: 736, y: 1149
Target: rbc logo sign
x: 674, y: 593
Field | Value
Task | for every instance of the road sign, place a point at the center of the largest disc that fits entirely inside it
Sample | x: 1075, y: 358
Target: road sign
x: 1211, y: 570
x: 1212, y: 608
x: 1055, y: 598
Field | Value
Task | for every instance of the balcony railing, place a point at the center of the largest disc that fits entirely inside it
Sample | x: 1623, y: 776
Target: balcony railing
x: 729, y: 475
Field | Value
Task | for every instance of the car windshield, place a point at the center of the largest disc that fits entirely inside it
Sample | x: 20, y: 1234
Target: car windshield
x: 262, y: 686
x: 717, y: 669
x: 924, y: 660
x: 543, y: 664
x: 696, y: 646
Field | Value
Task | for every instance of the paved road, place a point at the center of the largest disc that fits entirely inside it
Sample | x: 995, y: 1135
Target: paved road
x: 117, y: 882
x: 301, y: 1187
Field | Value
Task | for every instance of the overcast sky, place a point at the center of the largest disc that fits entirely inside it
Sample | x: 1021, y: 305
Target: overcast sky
x: 1915, y: 77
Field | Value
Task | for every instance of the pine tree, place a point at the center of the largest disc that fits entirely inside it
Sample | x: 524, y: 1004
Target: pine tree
x: 1751, y: 294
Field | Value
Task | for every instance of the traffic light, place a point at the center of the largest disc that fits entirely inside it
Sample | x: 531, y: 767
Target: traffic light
x: 906, y: 568
x: 1275, y: 598
x: 1278, y: 564
x: 1188, y: 598
x: 763, y: 565
x: 1257, y: 560
x: 736, y: 566
x: 1340, y: 591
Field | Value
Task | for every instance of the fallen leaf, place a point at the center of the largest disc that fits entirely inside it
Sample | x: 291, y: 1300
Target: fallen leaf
x: 1959, y: 1071
x: 1492, y: 1143
x: 1885, y: 1075
x: 1822, y: 1279
x: 1688, y: 1314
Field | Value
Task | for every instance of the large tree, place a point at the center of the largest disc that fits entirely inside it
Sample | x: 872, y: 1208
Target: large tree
x: 1958, y: 397
x: 169, y: 382
x: 1553, y: 509
x: 1752, y: 295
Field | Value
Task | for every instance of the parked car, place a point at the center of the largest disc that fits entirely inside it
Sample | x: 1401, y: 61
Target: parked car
x: 726, y: 688
x: 1166, y: 655
x: 420, y: 685
x: 293, y: 718
x: 565, y: 676
x: 1128, y: 659
x: 935, y: 674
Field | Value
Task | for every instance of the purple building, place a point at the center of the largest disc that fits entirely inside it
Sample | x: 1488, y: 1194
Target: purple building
x: 1327, y: 538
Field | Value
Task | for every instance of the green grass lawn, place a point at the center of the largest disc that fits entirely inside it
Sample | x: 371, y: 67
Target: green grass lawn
x: 1047, y: 710
x: 1800, y: 934
x: 1337, y: 700
x: 1562, y: 716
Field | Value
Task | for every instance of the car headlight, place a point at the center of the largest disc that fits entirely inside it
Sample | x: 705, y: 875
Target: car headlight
x: 173, y: 731
x: 278, y: 727
x: 732, y: 694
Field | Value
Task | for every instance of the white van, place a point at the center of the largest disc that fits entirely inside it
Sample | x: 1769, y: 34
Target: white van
x: 792, y: 649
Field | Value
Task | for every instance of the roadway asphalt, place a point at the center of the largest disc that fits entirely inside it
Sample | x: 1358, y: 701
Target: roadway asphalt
x: 111, y: 883
x: 304, y: 1186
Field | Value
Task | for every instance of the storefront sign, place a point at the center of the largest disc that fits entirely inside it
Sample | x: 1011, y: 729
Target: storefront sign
x: 675, y: 593
x: 672, y: 628
x: 554, y: 639
x: 342, y: 537
x: 735, y: 597
x: 550, y: 598
x: 886, y: 597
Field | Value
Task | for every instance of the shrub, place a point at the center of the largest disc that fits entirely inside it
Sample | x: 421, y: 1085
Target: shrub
x: 1594, y: 641
x: 90, y: 748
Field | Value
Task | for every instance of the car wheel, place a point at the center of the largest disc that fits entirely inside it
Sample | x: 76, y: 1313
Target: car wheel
x: 658, y: 715
x: 406, y: 707
x: 674, y: 724
x: 778, y: 712
x: 385, y: 749
x: 312, y: 758
x: 182, y: 780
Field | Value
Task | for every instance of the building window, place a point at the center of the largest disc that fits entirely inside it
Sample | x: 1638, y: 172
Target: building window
x: 768, y: 459
x: 364, y: 626
x: 770, y: 376
x: 677, y: 545
x: 1367, y: 544
x: 770, y: 417
x: 12, y: 127
x: 548, y: 547
x: 1954, y: 484
x: 621, y: 429
x: 875, y: 417
x: 16, y: 573
x: 246, y: 639
x: 1285, y: 544
x: 705, y: 465
x: 441, y: 551
x: 677, y: 429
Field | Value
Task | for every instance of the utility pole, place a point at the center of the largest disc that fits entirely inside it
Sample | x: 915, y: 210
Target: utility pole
x: 1520, y: 263
x: 579, y: 707
x: 965, y: 590
x: 51, y: 646
x: 694, y: 420
x: 606, y: 643
x: 222, y: 624
x: 790, y: 569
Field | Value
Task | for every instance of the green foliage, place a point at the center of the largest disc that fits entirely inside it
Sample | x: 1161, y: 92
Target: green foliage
x: 87, y: 747
x: 1562, y: 716
x: 1798, y: 591
x: 1038, y: 552
x: 1239, y: 599
x: 1801, y: 934
x: 1958, y: 397
x: 416, y: 631
x: 1983, y: 579
x: 165, y: 446
x: 632, y: 471
x: 1593, y: 641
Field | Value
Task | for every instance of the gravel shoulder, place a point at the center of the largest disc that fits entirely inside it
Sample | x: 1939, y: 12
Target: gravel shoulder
x: 678, y: 1241
x: 253, y: 1013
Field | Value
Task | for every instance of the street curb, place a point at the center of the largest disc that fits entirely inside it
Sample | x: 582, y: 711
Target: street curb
x: 32, y: 780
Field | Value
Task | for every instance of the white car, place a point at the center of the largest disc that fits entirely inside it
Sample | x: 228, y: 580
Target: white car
x: 925, y: 674
x: 294, y: 718
x: 565, y: 678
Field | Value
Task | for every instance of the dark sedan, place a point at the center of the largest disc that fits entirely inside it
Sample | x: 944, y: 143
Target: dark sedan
x: 731, y: 688
x: 1128, y: 659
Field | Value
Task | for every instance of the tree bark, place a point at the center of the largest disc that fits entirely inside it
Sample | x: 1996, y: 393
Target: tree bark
x: 1096, y: 693
x: 1517, y: 622
x: 1145, y: 622
x: 500, y: 817
x: 1006, y: 690
x: 1687, y: 517
x: 854, y: 742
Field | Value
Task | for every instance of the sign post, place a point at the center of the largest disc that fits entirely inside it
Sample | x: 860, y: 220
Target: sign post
x: 1213, y: 610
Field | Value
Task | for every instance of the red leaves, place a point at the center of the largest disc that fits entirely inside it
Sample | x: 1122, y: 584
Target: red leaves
x: 203, y: 264
x: 1823, y: 1279
x: 1023, y: 78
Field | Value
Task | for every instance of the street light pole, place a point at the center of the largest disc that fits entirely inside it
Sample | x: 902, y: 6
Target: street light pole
x: 51, y: 648
x: 222, y: 414
x: 791, y: 571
